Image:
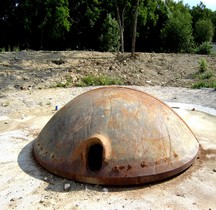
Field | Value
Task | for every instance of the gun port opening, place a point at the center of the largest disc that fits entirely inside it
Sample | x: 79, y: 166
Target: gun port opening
x: 94, y: 157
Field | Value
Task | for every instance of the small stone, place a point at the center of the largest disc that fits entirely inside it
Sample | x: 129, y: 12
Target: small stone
x: 111, y: 67
x: 148, y: 81
x: 45, y: 178
x: 214, y: 170
x: 13, y: 77
x: 105, y: 190
x: 67, y: 186
x: 26, y: 78
x: 29, y: 87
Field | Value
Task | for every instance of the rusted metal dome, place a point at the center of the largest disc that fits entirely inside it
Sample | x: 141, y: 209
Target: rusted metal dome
x: 116, y: 136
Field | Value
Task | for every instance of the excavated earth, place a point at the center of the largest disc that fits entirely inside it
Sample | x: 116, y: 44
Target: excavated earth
x: 28, y: 99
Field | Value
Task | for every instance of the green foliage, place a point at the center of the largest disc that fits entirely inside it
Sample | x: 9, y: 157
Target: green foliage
x: 203, y: 65
x: 204, y: 78
x: 92, y: 80
x: 56, y: 18
x: 205, y: 48
x: 93, y: 11
x: 177, y: 33
x: 44, y: 22
x: 204, y: 31
x: 147, y: 12
x: 205, y: 75
x: 204, y: 84
x: 200, y: 12
x: 162, y: 25
x: 110, y: 40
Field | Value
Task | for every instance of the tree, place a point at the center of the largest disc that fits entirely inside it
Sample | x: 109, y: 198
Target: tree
x: 177, y: 33
x: 87, y: 18
x: 7, y: 23
x: 204, y: 31
x: 148, y: 24
x: 200, y: 12
x: 134, y: 28
x: 109, y: 35
x: 214, y: 24
x: 120, y: 9
x: 44, y: 21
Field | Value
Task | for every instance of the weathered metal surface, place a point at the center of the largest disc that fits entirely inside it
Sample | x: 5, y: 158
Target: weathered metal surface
x: 116, y: 136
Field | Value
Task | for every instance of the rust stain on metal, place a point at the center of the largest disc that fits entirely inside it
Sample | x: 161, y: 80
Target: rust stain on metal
x: 143, y: 164
x: 116, y: 136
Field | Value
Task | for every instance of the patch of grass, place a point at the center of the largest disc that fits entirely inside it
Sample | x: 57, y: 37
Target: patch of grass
x: 205, y: 75
x: 204, y: 78
x: 203, y: 65
x: 67, y: 83
x: 204, y: 84
x: 92, y: 80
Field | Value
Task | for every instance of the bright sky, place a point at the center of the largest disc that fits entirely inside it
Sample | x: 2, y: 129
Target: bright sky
x: 211, y: 4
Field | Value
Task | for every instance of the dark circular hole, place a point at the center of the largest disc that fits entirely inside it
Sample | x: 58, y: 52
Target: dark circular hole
x: 95, y: 156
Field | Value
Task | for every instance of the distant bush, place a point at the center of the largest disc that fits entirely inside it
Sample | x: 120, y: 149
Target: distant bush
x: 109, y: 38
x: 177, y: 33
x: 204, y: 31
x: 205, y: 48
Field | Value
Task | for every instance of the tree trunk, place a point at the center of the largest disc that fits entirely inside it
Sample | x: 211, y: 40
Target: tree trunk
x: 120, y: 18
x: 134, y: 29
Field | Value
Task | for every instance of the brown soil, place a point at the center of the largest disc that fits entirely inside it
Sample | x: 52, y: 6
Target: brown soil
x: 42, y: 69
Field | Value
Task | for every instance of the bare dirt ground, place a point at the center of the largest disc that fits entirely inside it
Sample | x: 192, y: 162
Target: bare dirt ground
x: 41, y: 69
x: 27, y: 103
